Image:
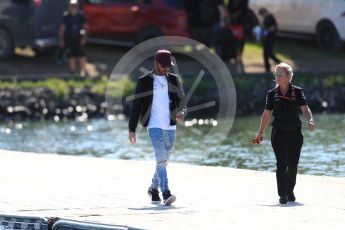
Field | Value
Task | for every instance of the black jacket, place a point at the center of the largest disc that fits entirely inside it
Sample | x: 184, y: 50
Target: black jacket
x: 142, y: 100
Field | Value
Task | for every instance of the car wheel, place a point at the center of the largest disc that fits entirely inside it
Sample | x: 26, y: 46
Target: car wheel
x: 327, y: 36
x: 6, y: 45
x: 148, y: 33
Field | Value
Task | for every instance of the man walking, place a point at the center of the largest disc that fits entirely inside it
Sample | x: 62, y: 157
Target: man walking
x: 159, y: 102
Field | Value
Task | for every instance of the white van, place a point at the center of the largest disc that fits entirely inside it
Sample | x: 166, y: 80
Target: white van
x: 323, y: 20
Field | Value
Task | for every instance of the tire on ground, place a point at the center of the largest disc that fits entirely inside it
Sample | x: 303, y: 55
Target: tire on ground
x: 327, y: 36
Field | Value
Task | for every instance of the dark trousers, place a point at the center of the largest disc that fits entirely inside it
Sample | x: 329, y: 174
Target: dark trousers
x: 268, y: 51
x: 287, y: 146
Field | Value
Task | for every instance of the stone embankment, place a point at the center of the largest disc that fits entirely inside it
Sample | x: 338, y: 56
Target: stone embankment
x: 324, y: 94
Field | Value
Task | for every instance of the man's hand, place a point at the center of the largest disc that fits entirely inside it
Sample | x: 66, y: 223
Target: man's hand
x: 180, y: 116
x: 132, y: 137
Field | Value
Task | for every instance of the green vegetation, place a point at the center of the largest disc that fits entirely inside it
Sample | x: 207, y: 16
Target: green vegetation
x: 125, y: 86
x: 335, y: 80
x: 121, y: 87
x: 61, y: 88
x: 58, y: 86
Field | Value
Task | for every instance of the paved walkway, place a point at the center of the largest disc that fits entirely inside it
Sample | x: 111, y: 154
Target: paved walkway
x: 114, y: 192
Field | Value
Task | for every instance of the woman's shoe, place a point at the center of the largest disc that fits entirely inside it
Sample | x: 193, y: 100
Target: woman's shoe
x: 283, y: 199
x: 291, y: 197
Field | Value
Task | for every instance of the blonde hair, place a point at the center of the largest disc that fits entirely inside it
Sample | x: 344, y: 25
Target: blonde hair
x: 286, y: 67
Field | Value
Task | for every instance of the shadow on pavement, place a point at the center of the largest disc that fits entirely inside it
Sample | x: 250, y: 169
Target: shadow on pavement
x: 289, y: 204
x: 156, y: 208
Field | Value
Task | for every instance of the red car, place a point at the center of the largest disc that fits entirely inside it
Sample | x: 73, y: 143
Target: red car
x: 127, y: 22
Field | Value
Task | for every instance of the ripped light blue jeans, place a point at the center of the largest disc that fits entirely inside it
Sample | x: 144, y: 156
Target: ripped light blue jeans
x: 162, y: 142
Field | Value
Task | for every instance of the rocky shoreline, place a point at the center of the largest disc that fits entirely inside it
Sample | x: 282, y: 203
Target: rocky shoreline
x: 43, y: 103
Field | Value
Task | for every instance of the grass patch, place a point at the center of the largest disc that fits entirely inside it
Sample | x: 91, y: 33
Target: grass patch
x: 332, y: 81
x: 253, y: 51
x: 292, y: 49
x: 124, y: 87
x: 61, y: 87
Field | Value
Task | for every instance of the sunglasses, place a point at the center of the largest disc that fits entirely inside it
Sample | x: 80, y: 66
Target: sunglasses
x: 280, y: 75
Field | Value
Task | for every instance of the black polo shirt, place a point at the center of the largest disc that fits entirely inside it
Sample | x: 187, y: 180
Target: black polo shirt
x: 74, y: 25
x: 269, y: 21
x: 286, y: 109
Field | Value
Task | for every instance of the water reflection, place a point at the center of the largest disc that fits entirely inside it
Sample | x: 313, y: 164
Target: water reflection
x: 323, y: 152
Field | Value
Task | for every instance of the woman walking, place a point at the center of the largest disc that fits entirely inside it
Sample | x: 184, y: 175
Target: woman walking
x: 285, y: 102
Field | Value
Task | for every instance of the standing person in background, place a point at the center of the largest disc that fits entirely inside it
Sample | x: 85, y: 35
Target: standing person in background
x: 159, y: 102
x: 285, y: 101
x: 239, y: 16
x: 271, y: 28
x: 218, y: 17
x: 72, y: 34
x: 195, y: 22
x: 208, y: 17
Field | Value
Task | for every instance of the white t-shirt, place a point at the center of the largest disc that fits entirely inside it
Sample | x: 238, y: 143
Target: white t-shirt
x: 160, y: 113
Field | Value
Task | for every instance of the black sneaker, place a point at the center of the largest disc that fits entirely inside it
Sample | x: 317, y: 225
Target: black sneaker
x: 291, y: 197
x: 154, y: 194
x: 283, y: 199
x: 168, y: 198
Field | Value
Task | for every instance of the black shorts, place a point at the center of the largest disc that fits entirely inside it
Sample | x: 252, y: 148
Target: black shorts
x: 75, y: 50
